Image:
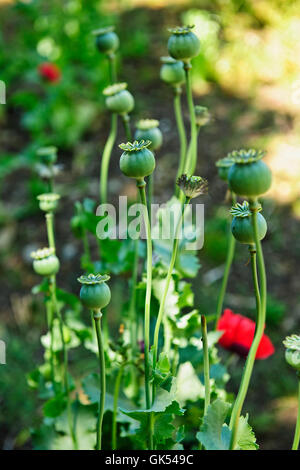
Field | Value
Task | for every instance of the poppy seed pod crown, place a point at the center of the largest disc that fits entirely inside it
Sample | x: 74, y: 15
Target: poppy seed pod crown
x: 137, y: 161
x: 241, y: 226
x: 94, y: 293
x: 183, y: 44
x: 107, y: 40
x: 192, y: 186
x: 45, y: 262
x: 249, y: 176
x: 147, y: 129
x: 48, y: 201
x: 118, y: 99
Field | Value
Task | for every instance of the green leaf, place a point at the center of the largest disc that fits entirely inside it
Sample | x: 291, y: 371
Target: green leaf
x: 55, y: 407
x: 214, y: 434
x: 163, y: 363
x: 162, y: 413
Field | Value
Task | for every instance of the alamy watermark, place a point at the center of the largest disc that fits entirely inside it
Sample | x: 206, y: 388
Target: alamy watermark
x: 127, y: 221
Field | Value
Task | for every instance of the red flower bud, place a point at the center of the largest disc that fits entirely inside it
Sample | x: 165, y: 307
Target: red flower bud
x: 49, y: 72
x: 239, y: 333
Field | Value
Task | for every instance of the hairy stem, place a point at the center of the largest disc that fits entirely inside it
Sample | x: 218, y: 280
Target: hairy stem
x: 228, y: 263
x: 106, y: 158
x: 166, y: 288
x: 115, y: 408
x: 297, y: 429
x: 141, y: 186
x: 206, y: 364
x: 181, y: 133
x: 261, y: 317
x: 97, y: 320
x: 191, y: 160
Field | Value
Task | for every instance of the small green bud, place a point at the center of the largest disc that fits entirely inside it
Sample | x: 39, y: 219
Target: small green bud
x: 224, y: 165
x: 147, y: 129
x: 118, y: 99
x: 48, y: 202
x: 107, y: 40
x: 241, y: 226
x: 94, y: 293
x: 183, y: 44
x: 172, y: 71
x: 203, y: 116
x: 137, y: 161
x: 192, y: 186
x: 47, y: 155
x: 292, y: 353
x: 45, y: 262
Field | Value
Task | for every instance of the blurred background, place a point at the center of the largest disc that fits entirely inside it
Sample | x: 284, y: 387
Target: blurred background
x: 247, y: 74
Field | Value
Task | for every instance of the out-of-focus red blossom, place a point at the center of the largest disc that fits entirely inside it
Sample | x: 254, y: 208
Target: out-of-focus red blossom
x: 49, y: 72
x: 239, y: 333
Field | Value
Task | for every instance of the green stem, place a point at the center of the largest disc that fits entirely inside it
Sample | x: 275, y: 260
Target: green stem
x: 297, y: 429
x: 106, y: 158
x: 166, y: 288
x: 190, y: 163
x: 141, y: 187
x: 150, y: 195
x: 126, y: 123
x: 50, y: 229
x: 206, y: 364
x: 115, y: 408
x: 228, y: 263
x: 181, y: 133
x: 112, y: 67
x: 50, y: 317
x: 65, y: 358
x: 261, y: 317
x: 97, y: 319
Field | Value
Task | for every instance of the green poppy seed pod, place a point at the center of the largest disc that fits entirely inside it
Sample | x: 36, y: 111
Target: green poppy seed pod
x: 47, y: 155
x: 172, y: 71
x: 147, y: 129
x: 48, y: 202
x: 94, y: 293
x: 107, y: 40
x: 241, y: 226
x: 45, y: 262
x: 249, y: 176
x: 224, y: 165
x: 137, y: 161
x: 292, y: 353
x: 183, y: 44
x: 118, y: 99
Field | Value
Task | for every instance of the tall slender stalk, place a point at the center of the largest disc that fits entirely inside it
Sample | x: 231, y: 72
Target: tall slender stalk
x: 50, y: 229
x: 191, y: 161
x: 65, y: 358
x: 166, y: 288
x: 141, y: 187
x: 115, y: 408
x: 297, y: 429
x: 206, y: 363
x: 112, y: 67
x: 126, y: 123
x: 106, y: 158
x: 228, y: 263
x: 261, y: 317
x: 181, y: 133
x: 97, y: 320
x: 50, y: 318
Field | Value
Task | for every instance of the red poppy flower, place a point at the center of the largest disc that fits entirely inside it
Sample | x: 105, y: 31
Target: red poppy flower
x: 50, y: 72
x: 239, y: 333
